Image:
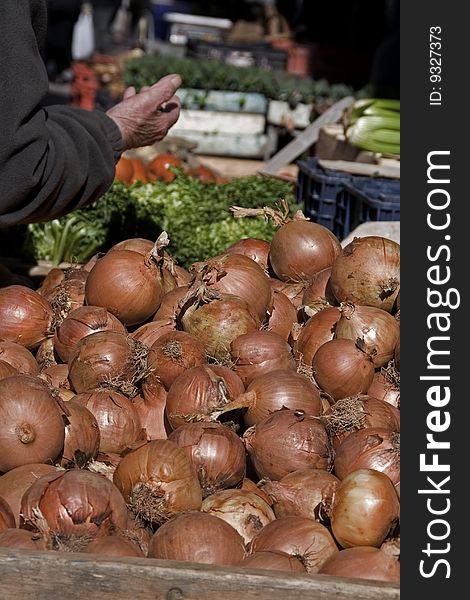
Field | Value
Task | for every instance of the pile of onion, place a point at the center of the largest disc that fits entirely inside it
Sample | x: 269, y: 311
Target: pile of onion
x: 254, y: 248
x: 319, y: 328
x: 273, y: 560
x: 19, y: 357
x: 82, y: 435
x: 282, y: 316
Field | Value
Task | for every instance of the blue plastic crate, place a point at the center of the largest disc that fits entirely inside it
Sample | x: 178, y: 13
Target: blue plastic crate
x: 367, y: 199
x: 318, y: 190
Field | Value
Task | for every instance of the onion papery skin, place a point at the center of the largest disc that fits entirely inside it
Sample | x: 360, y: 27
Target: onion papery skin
x: 25, y: 315
x: 150, y: 406
x: 239, y: 275
x: 82, y: 436
x: 217, y: 453
x: 370, y: 448
x: 301, y: 537
x: 117, y: 418
x: 56, y: 376
x: 197, y: 537
x: 365, y: 509
x: 74, y: 502
x: 254, y: 248
x: 305, y: 493
x: 364, y: 562
x: 7, y: 518
x: 158, y: 481
x: 67, y: 296
x: 367, y: 272
x: 301, y: 248
x: 174, y: 353
x: 7, y: 370
x: 141, y: 245
x: 283, y: 315
x: 15, y: 483
x: 379, y: 330
x: 55, y: 276
x: 318, y: 291
x: 260, y: 352
x: 19, y: 357
x: 341, y: 369
x: 113, y: 545
x: 273, y: 560
x: 200, y: 392
x: 245, y: 511
x: 169, y: 306
x: 218, y: 322
x: 32, y: 427
x: 148, y: 333
x: 127, y: 284
x: 293, y: 290
x: 278, y: 389
x: 20, y: 538
x: 385, y: 388
x: 287, y: 441
x: 319, y: 329
x: 107, y: 358
x: 81, y: 322
x: 348, y: 415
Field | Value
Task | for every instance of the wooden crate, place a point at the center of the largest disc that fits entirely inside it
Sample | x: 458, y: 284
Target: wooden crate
x: 45, y: 575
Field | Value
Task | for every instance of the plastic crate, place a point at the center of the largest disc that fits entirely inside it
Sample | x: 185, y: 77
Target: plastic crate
x: 319, y: 190
x: 260, y: 54
x: 366, y: 199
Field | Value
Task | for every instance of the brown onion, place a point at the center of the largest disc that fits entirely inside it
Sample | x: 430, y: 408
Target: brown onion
x: 365, y: 509
x: 127, y: 284
x: 386, y: 385
x: 282, y: 316
x: 45, y: 354
x: 25, y: 315
x: 56, y: 376
x: 216, y: 451
x: 283, y: 388
x: 169, y: 306
x: 81, y: 322
x: 319, y: 328
x: 371, y: 448
x: 32, y: 426
x: 74, y: 502
x: 18, y: 357
x: 301, y: 248
x: 365, y: 562
x: 286, y: 441
x: 378, y: 329
x: 218, y: 321
x: 173, y: 353
x: 148, y: 333
x: 260, y: 352
x: 342, y: 369
x: 158, y: 481
x: 113, y: 545
x: 15, y: 483
x: 250, y: 486
x: 150, y: 407
x: 301, y: 537
x: 305, y: 493
x: 254, y: 248
x: 55, y: 276
x: 68, y: 295
x: 197, y: 537
x: 107, y: 357
x: 367, y: 272
x: 237, y: 275
x: 358, y: 412
x: 7, y: 518
x: 273, y: 560
x: 117, y: 418
x: 140, y: 245
x: 202, y: 393
x: 82, y: 436
x: 318, y: 293
x: 20, y: 538
x: 245, y: 511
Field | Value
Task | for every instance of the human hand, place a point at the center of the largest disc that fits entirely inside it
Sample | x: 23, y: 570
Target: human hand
x: 145, y: 117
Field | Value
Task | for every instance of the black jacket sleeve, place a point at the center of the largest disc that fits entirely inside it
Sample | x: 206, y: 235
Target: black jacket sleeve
x: 53, y: 160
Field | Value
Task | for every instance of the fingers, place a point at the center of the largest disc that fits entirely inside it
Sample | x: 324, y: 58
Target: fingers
x: 165, y: 88
x: 129, y: 92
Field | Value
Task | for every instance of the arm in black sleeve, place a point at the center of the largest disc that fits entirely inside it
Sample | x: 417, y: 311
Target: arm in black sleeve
x: 53, y: 160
